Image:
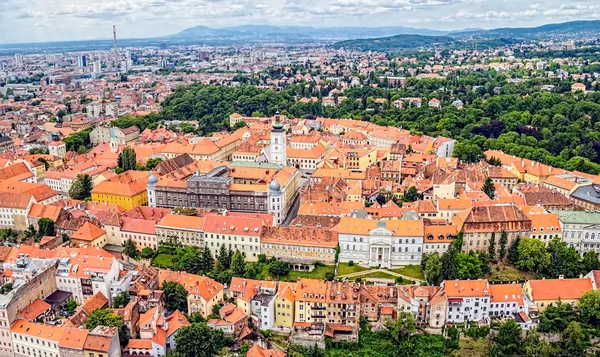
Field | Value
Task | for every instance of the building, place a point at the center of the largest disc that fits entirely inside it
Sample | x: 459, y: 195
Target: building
x: 6, y: 144
x: 126, y: 190
x: 36, y: 339
x: 277, y: 145
x: 384, y: 243
x: 184, y: 230
x: 81, y: 61
x: 121, y: 137
x: 34, y: 281
x: 310, y: 303
x: 507, y: 300
x: 586, y: 197
x: 57, y: 148
x: 547, y: 292
x: 581, y: 230
x: 284, y: 305
x: 236, y: 233
x: 141, y: 231
x: 478, y: 223
x: 89, y: 235
x: 468, y: 300
x: 301, y: 247
x: 243, y: 187
x: 15, y: 207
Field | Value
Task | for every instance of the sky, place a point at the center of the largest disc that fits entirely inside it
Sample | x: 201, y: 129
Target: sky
x: 65, y: 20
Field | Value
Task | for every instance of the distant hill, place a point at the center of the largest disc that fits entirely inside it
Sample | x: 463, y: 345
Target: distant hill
x: 398, y: 42
x: 267, y: 32
x: 565, y: 28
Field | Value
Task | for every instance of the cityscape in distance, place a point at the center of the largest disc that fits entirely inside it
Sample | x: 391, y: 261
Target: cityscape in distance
x: 199, y: 178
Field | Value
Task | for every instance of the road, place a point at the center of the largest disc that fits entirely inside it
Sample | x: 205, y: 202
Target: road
x: 293, y: 212
x: 365, y: 272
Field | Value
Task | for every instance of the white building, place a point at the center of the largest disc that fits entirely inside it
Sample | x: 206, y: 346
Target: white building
x: 468, y: 300
x: 33, y: 339
x: 278, y: 145
x: 507, y: 300
x: 581, y: 230
x: 384, y: 243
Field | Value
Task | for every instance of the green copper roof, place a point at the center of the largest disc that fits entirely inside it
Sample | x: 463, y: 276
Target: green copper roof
x: 579, y: 217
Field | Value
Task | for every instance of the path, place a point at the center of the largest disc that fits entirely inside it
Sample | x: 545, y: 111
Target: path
x: 392, y: 273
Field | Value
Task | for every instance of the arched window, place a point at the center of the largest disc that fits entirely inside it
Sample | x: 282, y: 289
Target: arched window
x: 587, y: 235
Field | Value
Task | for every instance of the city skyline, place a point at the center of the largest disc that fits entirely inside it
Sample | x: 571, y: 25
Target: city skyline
x: 92, y: 19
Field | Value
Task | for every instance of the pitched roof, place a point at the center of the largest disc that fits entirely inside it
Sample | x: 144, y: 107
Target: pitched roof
x: 88, y: 232
x: 362, y: 226
x: 553, y: 289
x: 466, y: 288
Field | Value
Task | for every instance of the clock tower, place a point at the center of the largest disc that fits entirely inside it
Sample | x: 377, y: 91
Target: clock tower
x: 278, y: 143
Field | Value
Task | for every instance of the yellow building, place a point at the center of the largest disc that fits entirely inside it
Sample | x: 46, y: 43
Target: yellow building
x: 127, y: 190
x: 548, y: 292
x: 310, y: 305
x: 89, y: 235
x: 284, y: 305
x: 359, y: 159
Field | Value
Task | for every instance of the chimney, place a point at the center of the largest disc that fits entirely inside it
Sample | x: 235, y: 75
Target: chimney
x: 561, y: 277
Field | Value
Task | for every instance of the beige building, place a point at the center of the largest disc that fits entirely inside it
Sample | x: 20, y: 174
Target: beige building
x: 184, y: 230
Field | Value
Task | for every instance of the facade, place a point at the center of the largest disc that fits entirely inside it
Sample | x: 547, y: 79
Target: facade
x: 507, y: 300
x: 581, y: 230
x: 311, y: 303
x: 236, y: 233
x: 36, y: 339
x: 57, y: 148
x: 548, y: 292
x: 468, y: 300
x: 278, y: 145
x: 284, y: 305
x: 126, y: 190
x: 299, y: 245
x: 479, y: 222
x: 103, y: 134
x: 384, y: 243
x: 184, y: 230
x: 248, y: 188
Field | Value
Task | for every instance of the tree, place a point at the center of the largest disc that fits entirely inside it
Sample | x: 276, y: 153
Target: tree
x: 590, y: 261
x: 81, y: 188
x: 556, y: 317
x: 433, y: 268
x: 147, y: 253
x: 207, y: 260
x: 239, y: 124
x: 403, y: 327
x: 127, y: 159
x: 589, y: 308
x: 468, y: 152
x: 564, y: 260
x: 411, y: 195
x: 508, y: 341
x: 175, y: 296
x: 503, y: 242
x: 238, y: 266
x: 152, y: 163
x: 492, y: 247
x: 199, y: 340
x: 192, y: 261
x: 70, y: 306
x: 513, y: 251
x: 45, y: 227
x: 121, y: 299
x: 574, y: 340
x: 6, y: 288
x: 279, y: 268
x: 468, y: 266
x: 223, y: 260
x: 532, y: 255
x: 488, y: 188
x: 130, y: 248
x: 103, y: 317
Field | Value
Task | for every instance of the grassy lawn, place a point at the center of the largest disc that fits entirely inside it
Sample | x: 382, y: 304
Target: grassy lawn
x: 163, y: 260
x: 413, y: 271
x: 344, y: 268
x: 318, y: 273
x: 473, y: 348
x: 381, y: 275
x: 508, y: 273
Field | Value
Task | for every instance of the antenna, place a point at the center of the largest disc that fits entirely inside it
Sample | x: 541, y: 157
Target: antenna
x: 115, y: 41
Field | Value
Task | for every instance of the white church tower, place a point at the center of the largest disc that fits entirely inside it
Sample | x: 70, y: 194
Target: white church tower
x: 278, y: 143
